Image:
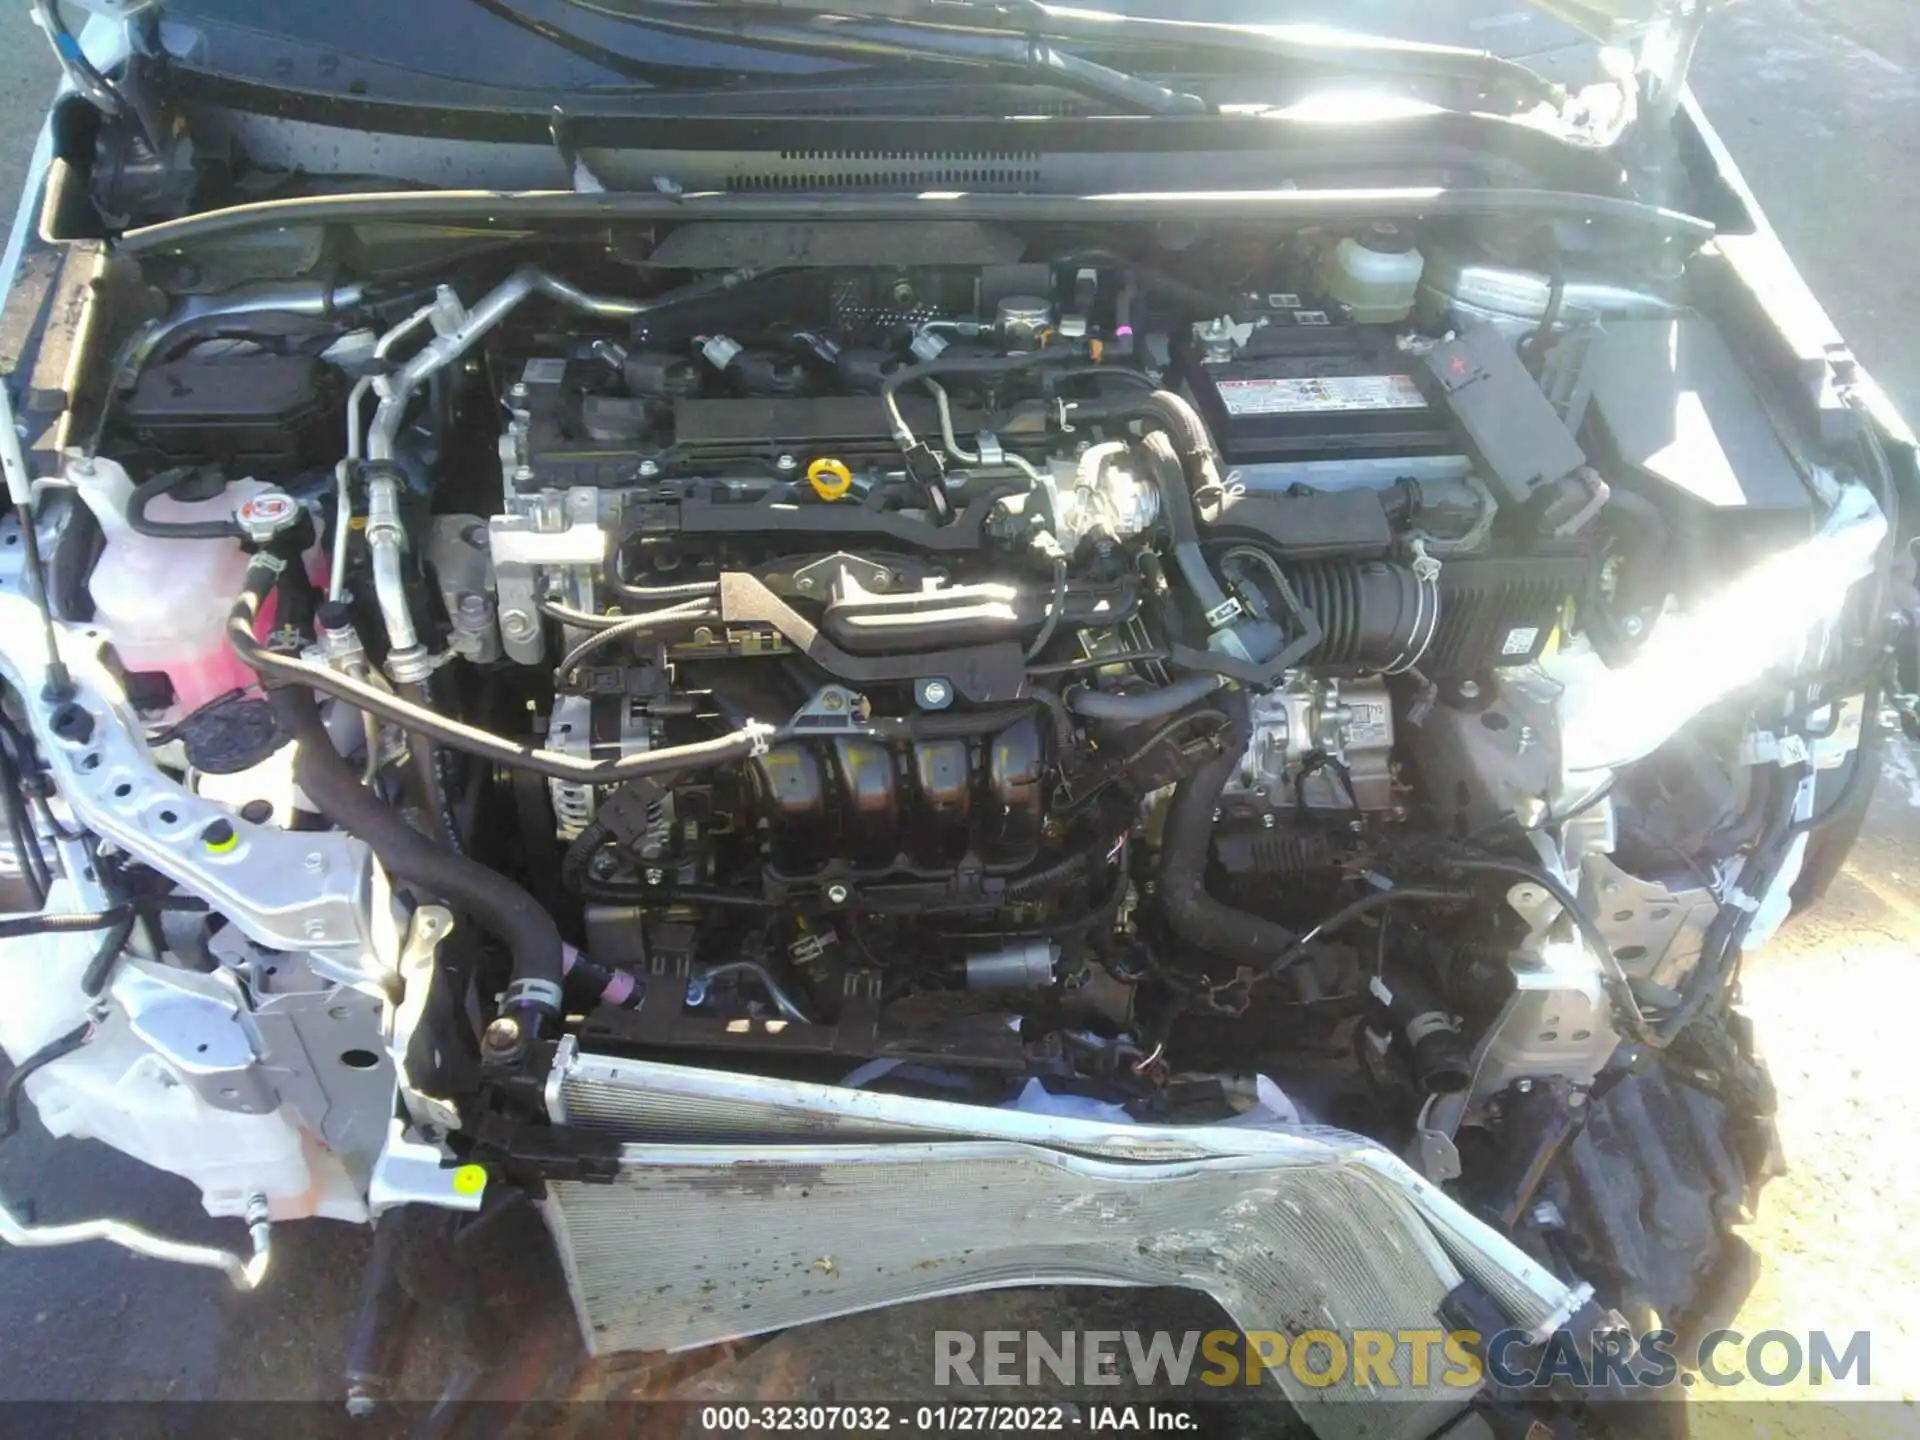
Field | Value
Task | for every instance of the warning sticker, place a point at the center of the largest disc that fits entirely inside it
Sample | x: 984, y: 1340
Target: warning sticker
x: 1521, y: 642
x: 1329, y: 393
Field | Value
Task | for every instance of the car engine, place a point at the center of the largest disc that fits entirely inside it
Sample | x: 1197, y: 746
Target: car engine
x: 1148, y: 672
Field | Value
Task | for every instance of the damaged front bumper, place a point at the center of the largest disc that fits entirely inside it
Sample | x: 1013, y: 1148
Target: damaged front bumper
x: 741, y: 1205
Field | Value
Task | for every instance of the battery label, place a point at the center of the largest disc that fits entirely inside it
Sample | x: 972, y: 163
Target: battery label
x: 1320, y: 396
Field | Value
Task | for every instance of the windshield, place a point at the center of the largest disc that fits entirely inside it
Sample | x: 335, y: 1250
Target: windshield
x: 587, y: 46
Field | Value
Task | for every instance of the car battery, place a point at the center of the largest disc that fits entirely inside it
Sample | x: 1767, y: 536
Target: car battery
x: 1301, y: 385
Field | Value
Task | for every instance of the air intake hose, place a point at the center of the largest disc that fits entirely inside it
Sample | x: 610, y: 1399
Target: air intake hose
x: 1372, y: 614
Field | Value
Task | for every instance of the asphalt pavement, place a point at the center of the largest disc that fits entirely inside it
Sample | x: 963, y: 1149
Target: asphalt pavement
x: 1819, y: 101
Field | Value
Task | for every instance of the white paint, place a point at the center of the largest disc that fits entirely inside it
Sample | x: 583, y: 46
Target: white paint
x: 1897, y: 767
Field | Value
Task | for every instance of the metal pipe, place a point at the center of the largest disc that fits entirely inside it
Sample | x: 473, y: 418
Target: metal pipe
x: 278, y: 299
x: 491, y: 309
x: 386, y: 540
x: 245, y: 1274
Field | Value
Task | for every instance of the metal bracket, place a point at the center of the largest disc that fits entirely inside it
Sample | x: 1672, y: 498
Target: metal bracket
x: 431, y: 926
x: 284, y: 890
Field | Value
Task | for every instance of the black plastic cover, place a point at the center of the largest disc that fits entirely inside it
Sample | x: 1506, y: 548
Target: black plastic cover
x: 269, y: 416
x: 1676, y: 417
x: 1517, y: 439
x: 1303, y: 524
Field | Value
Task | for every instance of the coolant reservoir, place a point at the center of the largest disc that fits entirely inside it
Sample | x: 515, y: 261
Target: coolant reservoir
x: 164, y: 601
x: 1376, y: 274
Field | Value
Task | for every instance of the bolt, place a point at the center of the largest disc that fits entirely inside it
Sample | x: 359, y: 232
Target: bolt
x: 696, y: 993
x: 1524, y: 1087
x: 1634, y: 626
x: 316, y: 929
x: 787, y: 463
x: 833, y: 702
x: 1469, y: 689
x: 935, y: 692
x: 1546, y: 1216
x: 518, y: 624
x: 316, y: 863
x: 360, y: 1404
x: 838, y: 894
x: 1528, y: 735
x: 656, y: 876
x: 604, y: 865
x: 649, y: 469
x: 1266, y: 822
x: 503, y: 1040
x: 703, y: 635
x: 518, y: 390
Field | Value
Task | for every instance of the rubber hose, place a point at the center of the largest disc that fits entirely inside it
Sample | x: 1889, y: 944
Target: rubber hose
x: 495, y: 902
x: 1191, y: 913
x: 151, y: 490
x: 1147, y: 706
x: 16, y: 1084
x: 99, y: 971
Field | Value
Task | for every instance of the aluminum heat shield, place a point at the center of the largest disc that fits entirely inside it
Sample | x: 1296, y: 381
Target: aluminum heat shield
x: 833, y: 1201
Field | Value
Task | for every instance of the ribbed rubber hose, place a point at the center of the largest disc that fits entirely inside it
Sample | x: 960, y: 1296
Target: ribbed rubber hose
x: 494, y: 902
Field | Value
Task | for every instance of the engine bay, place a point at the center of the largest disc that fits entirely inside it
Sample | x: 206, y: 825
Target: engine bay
x: 1141, y: 671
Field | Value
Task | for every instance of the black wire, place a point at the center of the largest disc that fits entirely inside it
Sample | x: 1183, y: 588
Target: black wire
x: 683, y: 77
x: 631, y: 627
x: 15, y: 1086
x: 1626, y: 1008
x: 1058, y: 604
x: 1128, y: 657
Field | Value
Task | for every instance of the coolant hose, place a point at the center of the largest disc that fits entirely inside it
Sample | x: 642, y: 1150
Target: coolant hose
x: 1145, y: 707
x: 1172, y: 478
x: 1191, y: 913
x: 601, y: 984
x: 164, y: 483
x: 497, y: 904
